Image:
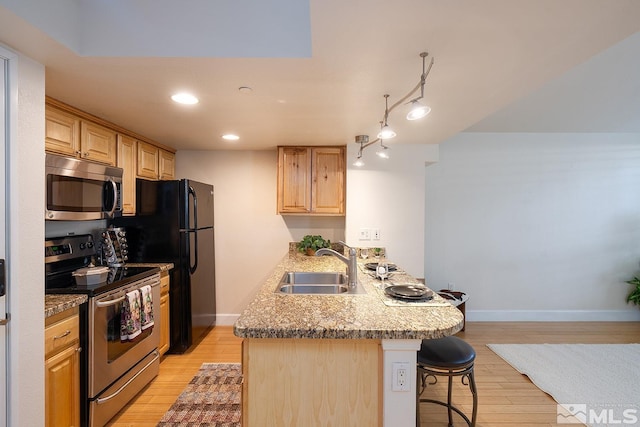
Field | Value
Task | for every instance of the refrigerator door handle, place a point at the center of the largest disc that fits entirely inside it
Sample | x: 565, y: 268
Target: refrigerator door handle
x: 193, y: 194
x: 193, y: 267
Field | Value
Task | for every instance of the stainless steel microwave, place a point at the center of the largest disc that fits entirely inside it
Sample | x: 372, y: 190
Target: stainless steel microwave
x: 79, y: 190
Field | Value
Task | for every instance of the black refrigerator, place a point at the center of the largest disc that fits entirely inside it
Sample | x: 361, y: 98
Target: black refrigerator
x: 174, y: 223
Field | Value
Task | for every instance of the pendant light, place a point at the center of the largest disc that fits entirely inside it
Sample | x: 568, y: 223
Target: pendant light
x: 385, y: 131
x: 419, y: 110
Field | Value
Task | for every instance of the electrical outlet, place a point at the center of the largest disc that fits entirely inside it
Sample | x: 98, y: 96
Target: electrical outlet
x: 365, y: 234
x: 400, y: 380
x: 376, y: 233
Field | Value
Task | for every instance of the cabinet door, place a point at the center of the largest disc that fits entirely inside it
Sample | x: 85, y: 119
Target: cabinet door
x: 294, y: 175
x: 62, y: 388
x: 328, y: 180
x: 127, y: 161
x: 98, y: 143
x: 62, y: 132
x: 167, y: 165
x: 147, y: 161
x: 165, y: 282
x: 163, y: 346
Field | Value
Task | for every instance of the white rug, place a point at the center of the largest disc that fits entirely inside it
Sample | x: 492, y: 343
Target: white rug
x: 597, y: 384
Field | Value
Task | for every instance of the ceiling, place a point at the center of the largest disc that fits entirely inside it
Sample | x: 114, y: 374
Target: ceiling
x: 319, y: 69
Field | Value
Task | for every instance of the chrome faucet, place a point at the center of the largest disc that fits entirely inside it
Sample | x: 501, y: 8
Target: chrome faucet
x: 351, y: 261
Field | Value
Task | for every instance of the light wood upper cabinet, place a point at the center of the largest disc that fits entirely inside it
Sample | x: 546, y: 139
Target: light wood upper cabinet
x: 154, y: 162
x: 148, y: 161
x: 328, y: 180
x: 311, y: 180
x: 97, y: 143
x: 127, y: 161
x: 62, y: 132
x: 62, y: 369
x: 294, y: 180
x: 167, y: 166
x: 68, y: 134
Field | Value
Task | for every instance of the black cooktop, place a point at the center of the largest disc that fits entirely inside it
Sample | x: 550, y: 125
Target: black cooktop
x: 117, y: 277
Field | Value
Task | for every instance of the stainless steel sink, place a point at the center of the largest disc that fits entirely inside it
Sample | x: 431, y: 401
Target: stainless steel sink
x: 326, y: 283
x: 313, y: 289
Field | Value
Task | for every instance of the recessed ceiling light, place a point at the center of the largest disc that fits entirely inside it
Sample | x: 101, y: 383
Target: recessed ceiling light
x: 184, y: 98
x: 245, y: 89
x: 230, y: 137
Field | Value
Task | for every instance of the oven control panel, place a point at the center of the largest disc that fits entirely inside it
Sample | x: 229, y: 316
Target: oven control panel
x: 68, y: 247
x: 114, y: 247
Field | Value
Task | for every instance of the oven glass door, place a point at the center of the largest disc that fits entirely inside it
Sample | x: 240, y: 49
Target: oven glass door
x: 110, y: 356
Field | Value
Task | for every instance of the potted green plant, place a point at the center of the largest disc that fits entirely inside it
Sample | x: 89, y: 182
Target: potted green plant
x: 634, y: 295
x: 310, y: 244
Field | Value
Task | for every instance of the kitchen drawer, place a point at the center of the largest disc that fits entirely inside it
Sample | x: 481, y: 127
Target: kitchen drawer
x: 61, y: 334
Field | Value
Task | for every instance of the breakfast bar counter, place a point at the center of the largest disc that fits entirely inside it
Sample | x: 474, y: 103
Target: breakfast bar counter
x: 328, y: 359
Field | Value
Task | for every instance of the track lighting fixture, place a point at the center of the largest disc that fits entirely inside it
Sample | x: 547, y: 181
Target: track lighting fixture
x: 417, y: 110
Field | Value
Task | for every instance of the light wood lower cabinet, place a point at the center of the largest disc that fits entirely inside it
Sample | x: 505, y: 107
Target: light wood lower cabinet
x: 62, y: 369
x: 164, y: 313
x: 306, y: 382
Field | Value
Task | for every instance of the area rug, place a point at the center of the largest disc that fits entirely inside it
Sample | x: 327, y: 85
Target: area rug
x: 596, y: 384
x: 211, y: 399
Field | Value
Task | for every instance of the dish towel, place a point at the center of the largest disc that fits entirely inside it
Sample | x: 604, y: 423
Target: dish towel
x: 130, y: 326
x: 147, y: 307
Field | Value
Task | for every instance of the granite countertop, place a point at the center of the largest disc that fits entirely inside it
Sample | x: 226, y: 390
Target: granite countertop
x: 54, y: 304
x: 362, y: 316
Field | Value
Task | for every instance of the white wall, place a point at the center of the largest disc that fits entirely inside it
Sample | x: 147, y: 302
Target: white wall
x: 536, y: 226
x: 389, y: 195
x: 25, y: 267
x: 250, y: 237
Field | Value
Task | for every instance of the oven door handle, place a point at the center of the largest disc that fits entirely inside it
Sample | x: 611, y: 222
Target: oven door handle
x: 101, y: 400
x: 110, y: 302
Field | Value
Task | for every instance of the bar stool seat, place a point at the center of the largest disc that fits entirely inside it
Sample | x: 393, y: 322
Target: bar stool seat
x: 450, y: 357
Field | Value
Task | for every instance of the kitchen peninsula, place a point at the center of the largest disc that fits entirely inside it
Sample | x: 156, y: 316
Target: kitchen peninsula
x: 328, y: 359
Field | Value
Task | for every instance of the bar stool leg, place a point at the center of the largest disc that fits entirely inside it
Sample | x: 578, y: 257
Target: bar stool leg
x: 472, y: 386
x: 449, y: 394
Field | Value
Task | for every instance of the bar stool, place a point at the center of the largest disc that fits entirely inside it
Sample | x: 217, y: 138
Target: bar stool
x: 450, y: 357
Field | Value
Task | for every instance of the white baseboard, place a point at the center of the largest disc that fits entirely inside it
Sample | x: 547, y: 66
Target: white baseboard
x: 553, y: 315
x: 226, y: 319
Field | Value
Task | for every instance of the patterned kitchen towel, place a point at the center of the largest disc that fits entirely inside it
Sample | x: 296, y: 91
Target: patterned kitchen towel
x: 130, y: 326
x: 147, y: 307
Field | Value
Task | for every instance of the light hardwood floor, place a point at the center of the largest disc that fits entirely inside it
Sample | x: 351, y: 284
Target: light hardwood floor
x: 506, y: 398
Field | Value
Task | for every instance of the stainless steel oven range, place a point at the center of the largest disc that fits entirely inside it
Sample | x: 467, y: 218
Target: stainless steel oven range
x: 113, y: 368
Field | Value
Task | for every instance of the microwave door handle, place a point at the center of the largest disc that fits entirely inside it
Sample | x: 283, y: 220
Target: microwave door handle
x: 114, y: 186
